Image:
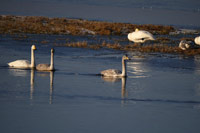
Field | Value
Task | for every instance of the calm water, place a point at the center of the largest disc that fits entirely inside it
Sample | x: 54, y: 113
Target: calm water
x: 184, y: 13
x: 160, y: 94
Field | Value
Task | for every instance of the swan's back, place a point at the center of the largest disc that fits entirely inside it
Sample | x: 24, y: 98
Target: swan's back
x: 43, y: 67
x: 140, y: 36
x: 197, y: 40
x: 20, y: 64
x: 111, y: 72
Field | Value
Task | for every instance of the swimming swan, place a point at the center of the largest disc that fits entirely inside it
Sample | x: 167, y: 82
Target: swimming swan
x: 47, y: 67
x: 197, y: 40
x: 140, y: 36
x: 24, y: 63
x: 116, y: 73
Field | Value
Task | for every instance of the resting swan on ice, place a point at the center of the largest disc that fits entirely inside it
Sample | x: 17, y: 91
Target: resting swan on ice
x: 140, y: 36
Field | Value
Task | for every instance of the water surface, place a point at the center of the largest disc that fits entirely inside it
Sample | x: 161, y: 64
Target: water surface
x: 160, y: 94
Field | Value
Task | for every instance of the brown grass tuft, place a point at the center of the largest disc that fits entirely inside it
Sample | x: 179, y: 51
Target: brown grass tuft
x: 77, y: 44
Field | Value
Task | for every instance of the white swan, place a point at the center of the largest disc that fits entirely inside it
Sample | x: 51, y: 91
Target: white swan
x: 47, y: 67
x: 116, y: 73
x: 140, y: 36
x: 184, y: 45
x: 24, y: 63
x: 197, y: 40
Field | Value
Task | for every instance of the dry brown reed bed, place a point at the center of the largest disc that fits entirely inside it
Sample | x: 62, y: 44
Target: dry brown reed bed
x: 154, y: 48
x: 45, y: 25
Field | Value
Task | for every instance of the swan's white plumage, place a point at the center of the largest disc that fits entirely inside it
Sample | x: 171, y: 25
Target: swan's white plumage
x: 24, y: 63
x: 20, y: 64
x: 115, y: 72
x: 140, y: 36
x: 184, y: 45
x: 197, y: 40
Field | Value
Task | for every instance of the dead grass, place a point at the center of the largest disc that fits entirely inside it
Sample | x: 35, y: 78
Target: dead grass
x: 155, y: 48
x: 45, y: 25
x: 77, y: 44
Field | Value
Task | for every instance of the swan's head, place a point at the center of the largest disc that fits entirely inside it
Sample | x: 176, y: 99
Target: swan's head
x: 52, y: 50
x: 136, y: 29
x: 125, y: 57
x: 33, y: 47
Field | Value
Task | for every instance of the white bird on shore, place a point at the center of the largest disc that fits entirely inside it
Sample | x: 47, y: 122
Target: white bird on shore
x: 47, y: 67
x: 184, y: 45
x: 197, y: 40
x: 140, y: 36
x: 115, y: 72
x: 24, y: 64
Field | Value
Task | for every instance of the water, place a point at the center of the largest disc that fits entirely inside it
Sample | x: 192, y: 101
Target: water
x: 183, y: 13
x: 160, y: 94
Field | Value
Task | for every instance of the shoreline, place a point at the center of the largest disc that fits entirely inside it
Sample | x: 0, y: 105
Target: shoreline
x: 19, y: 25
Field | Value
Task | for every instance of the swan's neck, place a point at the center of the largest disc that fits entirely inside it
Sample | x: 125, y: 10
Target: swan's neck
x: 32, y: 58
x: 52, y: 62
x: 123, y: 68
x: 123, y: 86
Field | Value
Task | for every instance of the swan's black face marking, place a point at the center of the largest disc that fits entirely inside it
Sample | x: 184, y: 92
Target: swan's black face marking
x: 52, y: 50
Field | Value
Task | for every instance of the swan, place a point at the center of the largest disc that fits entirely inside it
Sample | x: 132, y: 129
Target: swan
x: 47, y: 67
x: 24, y: 63
x: 197, y: 40
x: 140, y: 36
x: 184, y: 44
x: 115, y: 72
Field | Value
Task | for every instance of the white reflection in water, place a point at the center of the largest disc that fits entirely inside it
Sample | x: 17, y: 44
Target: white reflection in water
x: 18, y: 72
x: 32, y: 77
x: 51, y: 87
x: 51, y: 75
x: 138, y: 69
x: 124, y: 93
x: 24, y: 73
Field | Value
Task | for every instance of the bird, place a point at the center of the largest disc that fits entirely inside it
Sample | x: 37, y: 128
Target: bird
x: 47, y: 67
x: 184, y: 45
x: 140, y: 36
x: 24, y: 64
x: 115, y: 72
x: 197, y: 40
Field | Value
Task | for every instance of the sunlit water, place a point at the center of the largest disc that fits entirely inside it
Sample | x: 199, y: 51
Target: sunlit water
x: 160, y: 94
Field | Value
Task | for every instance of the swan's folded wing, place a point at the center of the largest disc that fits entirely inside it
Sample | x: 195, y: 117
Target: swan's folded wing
x: 19, y: 63
x: 110, y: 72
x: 43, y: 67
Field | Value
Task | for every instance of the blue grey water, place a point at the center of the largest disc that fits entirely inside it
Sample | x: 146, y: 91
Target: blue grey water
x: 168, y: 12
x: 160, y: 94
